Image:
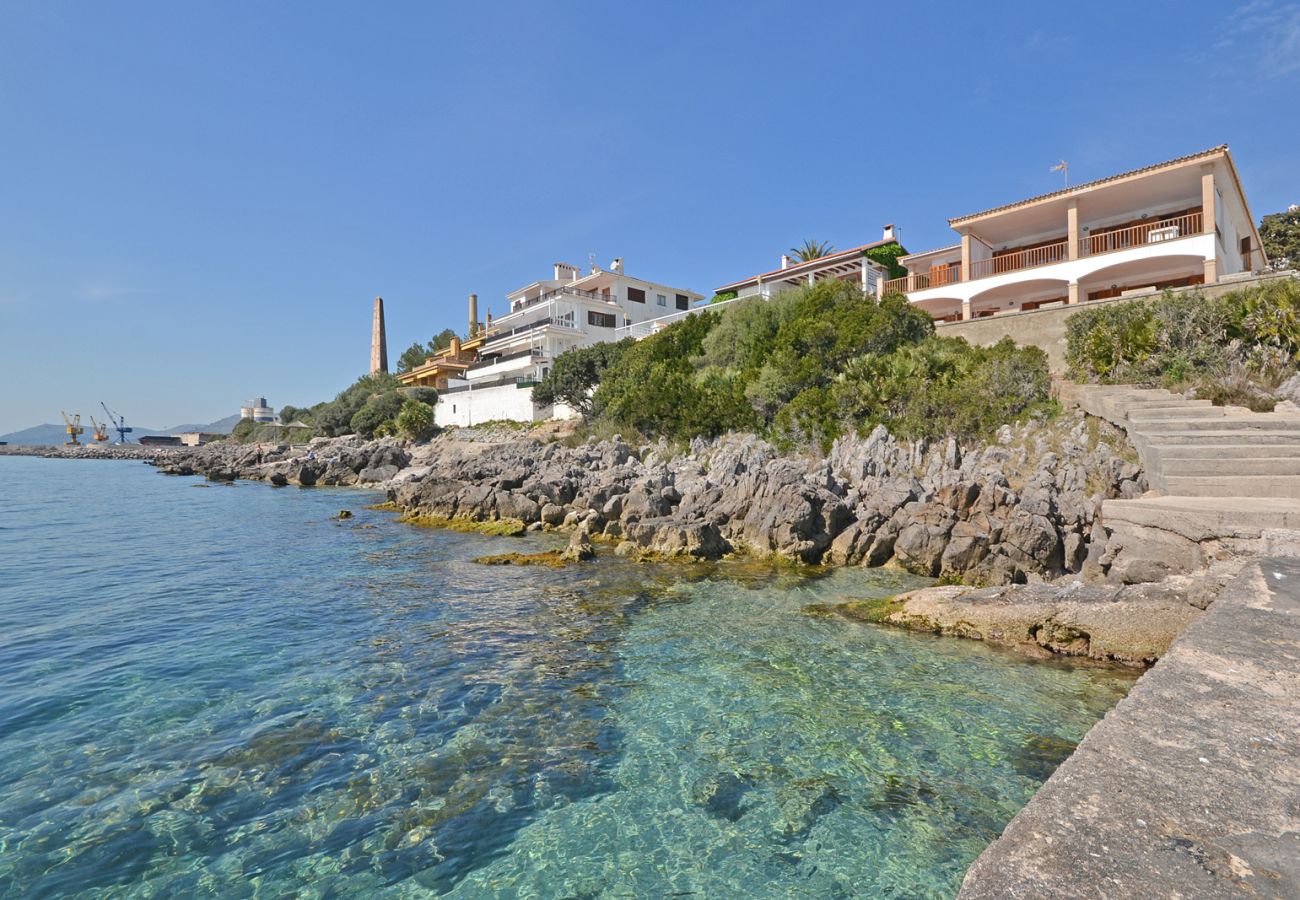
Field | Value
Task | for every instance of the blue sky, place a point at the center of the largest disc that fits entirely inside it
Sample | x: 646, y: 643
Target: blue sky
x: 200, y: 201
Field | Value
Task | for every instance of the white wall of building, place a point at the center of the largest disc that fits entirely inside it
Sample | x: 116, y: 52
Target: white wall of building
x: 487, y: 404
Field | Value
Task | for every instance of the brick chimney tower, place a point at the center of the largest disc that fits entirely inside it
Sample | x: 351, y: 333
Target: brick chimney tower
x: 378, y: 341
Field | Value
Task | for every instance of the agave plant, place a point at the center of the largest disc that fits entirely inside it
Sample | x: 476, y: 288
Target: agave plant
x: 811, y: 250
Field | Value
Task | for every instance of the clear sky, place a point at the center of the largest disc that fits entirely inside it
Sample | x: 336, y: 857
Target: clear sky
x: 199, y: 201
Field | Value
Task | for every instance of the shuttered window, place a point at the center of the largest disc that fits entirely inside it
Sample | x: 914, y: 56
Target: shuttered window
x: 636, y: 295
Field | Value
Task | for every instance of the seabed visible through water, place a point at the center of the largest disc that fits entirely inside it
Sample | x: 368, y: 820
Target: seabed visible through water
x: 227, y: 692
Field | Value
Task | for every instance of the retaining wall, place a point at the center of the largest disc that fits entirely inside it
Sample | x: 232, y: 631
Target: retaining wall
x: 1045, y: 328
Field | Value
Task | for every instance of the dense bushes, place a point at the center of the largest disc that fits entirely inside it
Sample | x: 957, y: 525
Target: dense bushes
x: 810, y: 364
x: 373, y: 406
x: 1218, y: 346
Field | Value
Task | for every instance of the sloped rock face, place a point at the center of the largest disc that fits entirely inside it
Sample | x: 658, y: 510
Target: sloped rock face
x: 1020, y: 508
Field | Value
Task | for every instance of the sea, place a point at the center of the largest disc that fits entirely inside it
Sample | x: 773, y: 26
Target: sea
x: 228, y: 691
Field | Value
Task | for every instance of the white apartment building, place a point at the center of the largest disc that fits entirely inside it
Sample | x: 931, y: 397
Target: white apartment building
x: 547, y: 318
x: 1181, y: 222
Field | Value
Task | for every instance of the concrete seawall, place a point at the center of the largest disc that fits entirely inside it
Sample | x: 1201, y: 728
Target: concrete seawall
x: 1190, y: 787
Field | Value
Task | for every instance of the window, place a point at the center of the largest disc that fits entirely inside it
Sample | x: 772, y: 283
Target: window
x: 636, y: 295
x: 661, y: 299
x: 600, y: 319
x: 683, y: 302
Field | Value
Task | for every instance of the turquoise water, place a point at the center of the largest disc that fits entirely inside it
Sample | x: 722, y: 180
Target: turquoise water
x: 218, y: 691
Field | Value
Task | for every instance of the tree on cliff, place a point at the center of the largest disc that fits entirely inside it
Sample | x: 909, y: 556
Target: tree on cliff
x: 1280, y: 234
x: 417, y: 353
x: 575, y: 374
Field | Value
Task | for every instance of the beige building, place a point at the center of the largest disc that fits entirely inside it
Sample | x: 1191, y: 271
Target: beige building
x: 1176, y: 223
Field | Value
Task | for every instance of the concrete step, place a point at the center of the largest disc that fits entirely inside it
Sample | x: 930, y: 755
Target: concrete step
x: 1275, y: 486
x: 1245, y: 424
x: 1202, y: 518
x: 1258, y: 450
x: 1222, y: 437
x: 1276, y: 466
x: 1147, y: 414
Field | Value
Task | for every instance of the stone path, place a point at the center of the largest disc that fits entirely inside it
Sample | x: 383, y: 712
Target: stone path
x: 1190, y: 787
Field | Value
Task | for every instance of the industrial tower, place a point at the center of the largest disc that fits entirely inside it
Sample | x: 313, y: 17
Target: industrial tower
x: 378, y: 341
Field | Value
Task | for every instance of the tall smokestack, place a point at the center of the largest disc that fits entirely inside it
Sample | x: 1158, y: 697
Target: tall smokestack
x: 378, y: 341
x: 473, y: 314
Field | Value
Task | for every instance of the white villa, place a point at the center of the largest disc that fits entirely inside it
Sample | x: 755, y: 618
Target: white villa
x: 844, y: 265
x: 1181, y: 222
x: 546, y: 318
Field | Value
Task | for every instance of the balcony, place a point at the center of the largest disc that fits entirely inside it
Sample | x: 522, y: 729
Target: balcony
x: 552, y: 294
x: 1154, y: 232
x: 1110, y: 240
x: 1031, y: 258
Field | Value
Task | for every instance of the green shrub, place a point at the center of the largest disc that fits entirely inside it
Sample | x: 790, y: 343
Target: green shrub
x: 1190, y: 339
x: 414, y: 420
x: 575, y: 374
x: 804, y: 367
x: 378, y: 411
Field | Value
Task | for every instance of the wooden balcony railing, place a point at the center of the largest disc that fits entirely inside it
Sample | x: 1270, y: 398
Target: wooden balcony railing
x: 1021, y: 259
x: 1152, y: 232
x: 907, y: 284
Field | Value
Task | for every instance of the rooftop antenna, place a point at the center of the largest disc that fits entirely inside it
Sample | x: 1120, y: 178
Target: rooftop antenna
x: 591, y: 259
x: 1064, y: 168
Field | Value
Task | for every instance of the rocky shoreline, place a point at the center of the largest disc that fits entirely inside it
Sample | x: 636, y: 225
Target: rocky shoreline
x: 1011, y: 528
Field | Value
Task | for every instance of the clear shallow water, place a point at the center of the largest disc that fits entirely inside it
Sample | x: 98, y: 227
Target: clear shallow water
x: 217, y: 691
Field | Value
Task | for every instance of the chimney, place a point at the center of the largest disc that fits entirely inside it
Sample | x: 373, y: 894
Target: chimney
x: 785, y: 260
x: 473, y: 314
x: 378, y: 341
x: 617, y: 266
x: 566, y: 271
x: 890, y: 234
x: 454, y: 346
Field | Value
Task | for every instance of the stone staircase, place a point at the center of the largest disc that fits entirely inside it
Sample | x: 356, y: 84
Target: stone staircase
x: 1214, y: 472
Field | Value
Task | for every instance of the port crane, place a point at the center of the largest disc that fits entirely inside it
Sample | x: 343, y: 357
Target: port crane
x: 101, y: 431
x: 118, y: 423
x: 73, y: 427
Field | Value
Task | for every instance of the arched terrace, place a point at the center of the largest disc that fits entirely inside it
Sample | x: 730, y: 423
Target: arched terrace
x: 1156, y: 272
x: 941, y: 309
x: 1021, y: 295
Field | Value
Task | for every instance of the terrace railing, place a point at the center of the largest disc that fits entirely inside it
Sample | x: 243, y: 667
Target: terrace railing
x: 1021, y: 259
x: 907, y: 284
x: 1153, y: 232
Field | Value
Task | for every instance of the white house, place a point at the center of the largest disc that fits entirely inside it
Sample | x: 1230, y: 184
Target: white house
x: 546, y: 318
x: 853, y: 265
x: 1176, y: 223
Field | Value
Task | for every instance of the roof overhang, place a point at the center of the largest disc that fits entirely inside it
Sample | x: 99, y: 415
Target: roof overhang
x: 1066, y: 193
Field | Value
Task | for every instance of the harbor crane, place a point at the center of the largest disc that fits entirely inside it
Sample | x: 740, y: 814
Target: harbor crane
x: 118, y: 423
x: 73, y: 428
x: 101, y: 431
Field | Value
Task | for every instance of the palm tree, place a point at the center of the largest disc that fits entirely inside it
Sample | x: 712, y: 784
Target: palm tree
x: 811, y: 250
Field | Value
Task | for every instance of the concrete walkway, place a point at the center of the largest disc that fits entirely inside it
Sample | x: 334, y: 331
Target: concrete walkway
x: 1190, y: 787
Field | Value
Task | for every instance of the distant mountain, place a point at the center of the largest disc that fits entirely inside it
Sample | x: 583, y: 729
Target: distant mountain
x: 221, y: 426
x: 55, y: 434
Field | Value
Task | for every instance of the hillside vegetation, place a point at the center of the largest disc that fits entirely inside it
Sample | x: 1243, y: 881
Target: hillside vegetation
x: 372, y: 406
x: 1235, y: 348
x: 802, y: 369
